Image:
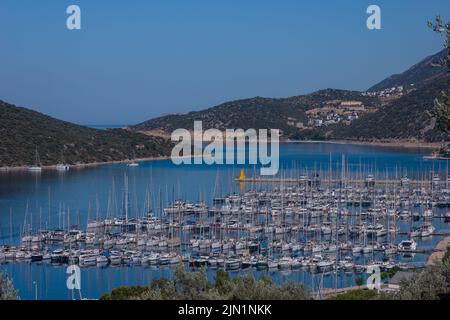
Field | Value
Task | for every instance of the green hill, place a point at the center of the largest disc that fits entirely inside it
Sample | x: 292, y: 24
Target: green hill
x: 405, y: 118
x: 389, y: 114
x: 257, y: 113
x: 22, y: 130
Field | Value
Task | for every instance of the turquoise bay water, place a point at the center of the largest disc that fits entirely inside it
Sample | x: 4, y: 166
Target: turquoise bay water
x: 80, y: 189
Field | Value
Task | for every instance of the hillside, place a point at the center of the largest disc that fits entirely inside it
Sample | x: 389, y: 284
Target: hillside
x: 385, y: 112
x: 419, y: 74
x: 405, y: 118
x: 22, y: 130
x: 284, y: 114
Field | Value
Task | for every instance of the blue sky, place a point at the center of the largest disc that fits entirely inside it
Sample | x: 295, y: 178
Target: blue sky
x: 135, y: 60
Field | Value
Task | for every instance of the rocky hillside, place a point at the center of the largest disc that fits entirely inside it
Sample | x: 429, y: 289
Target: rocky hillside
x: 422, y: 73
x: 404, y: 119
x: 385, y: 112
x: 284, y: 114
x: 23, y: 130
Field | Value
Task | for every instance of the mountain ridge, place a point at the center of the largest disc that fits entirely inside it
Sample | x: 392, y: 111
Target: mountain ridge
x: 254, y: 112
x: 292, y: 114
x: 389, y: 113
x: 420, y: 73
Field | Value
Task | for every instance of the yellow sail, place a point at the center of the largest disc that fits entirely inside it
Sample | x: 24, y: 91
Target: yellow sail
x: 242, y: 175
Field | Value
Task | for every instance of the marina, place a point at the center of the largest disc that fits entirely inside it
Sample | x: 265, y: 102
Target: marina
x: 323, y: 234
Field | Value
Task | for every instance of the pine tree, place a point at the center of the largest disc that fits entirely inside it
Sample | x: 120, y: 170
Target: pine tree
x: 442, y: 105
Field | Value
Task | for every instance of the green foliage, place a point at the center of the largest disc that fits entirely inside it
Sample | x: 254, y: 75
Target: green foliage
x: 122, y: 293
x: 440, y: 27
x: 23, y: 130
x: 359, y: 281
x: 446, y: 257
x: 442, y: 105
x: 191, y: 285
x: 223, y: 284
x: 432, y: 283
x: 7, y: 290
x: 390, y: 273
x: 442, y: 112
x: 195, y: 286
x: 357, y: 295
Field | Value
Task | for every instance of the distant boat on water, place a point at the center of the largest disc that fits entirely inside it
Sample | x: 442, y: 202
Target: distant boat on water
x: 37, y: 165
x: 35, y: 169
x: 62, y: 166
x: 133, y: 162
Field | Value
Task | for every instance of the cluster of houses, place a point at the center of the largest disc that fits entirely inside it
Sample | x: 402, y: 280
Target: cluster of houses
x: 333, y: 112
x: 390, y: 93
x: 339, y: 111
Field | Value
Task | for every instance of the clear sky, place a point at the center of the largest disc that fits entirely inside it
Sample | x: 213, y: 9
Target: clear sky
x: 134, y: 60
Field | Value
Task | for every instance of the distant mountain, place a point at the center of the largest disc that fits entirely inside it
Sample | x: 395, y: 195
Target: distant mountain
x: 284, y: 114
x: 419, y: 74
x: 386, y: 116
x: 22, y: 130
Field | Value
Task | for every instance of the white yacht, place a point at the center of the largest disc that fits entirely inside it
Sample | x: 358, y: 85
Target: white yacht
x: 174, y: 259
x: 115, y: 259
x: 428, y: 214
x: 35, y: 169
x: 133, y: 164
x: 285, y: 263
x: 368, y: 249
x: 153, y: 259
x: 102, y: 260
x: 232, y: 264
x: 357, y: 250
x: 272, y: 264
x: 407, y: 245
x: 325, y: 265
x: 427, y: 230
x: 88, y: 260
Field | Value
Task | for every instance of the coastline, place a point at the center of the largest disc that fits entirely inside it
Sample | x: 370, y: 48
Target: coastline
x: 85, y: 165
x: 393, y: 144
x: 389, y: 144
x: 408, y: 144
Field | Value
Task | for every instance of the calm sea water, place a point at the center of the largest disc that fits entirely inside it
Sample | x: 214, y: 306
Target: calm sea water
x: 86, y: 193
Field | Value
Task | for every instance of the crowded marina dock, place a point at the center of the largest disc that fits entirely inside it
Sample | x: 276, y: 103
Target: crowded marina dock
x: 342, y: 227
